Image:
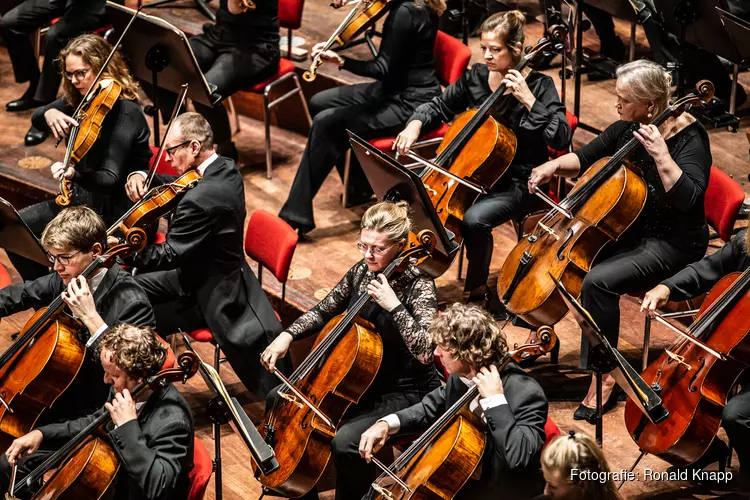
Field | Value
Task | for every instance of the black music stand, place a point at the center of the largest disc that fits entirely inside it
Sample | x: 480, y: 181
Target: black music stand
x: 160, y: 53
x: 738, y: 31
x: 603, y: 358
x: 223, y: 409
x: 390, y: 180
x: 16, y: 237
x: 201, y: 4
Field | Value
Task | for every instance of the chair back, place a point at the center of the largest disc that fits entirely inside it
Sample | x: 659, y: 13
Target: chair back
x: 201, y: 473
x: 722, y: 202
x: 4, y: 277
x: 573, y: 124
x: 271, y: 243
x: 451, y: 58
x: 170, y: 360
x: 290, y: 13
x: 551, y: 431
x: 164, y: 166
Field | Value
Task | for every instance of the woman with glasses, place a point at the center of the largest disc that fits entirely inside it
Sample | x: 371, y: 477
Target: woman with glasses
x: 98, y: 179
x: 401, y: 311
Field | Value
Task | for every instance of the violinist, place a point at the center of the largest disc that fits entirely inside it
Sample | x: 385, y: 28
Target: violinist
x: 512, y: 405
x: 404, y: 307
x: 404, y: 70
x: 122, y: 146
x: 72, y: 240
x: 670, y: 232
x: 199, y: 278
x: 532, y: 110
x: 152, y: 439
x: 694, y: 280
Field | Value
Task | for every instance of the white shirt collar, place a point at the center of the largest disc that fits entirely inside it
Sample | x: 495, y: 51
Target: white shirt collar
x: 96, y: 280
x: 203, y: 166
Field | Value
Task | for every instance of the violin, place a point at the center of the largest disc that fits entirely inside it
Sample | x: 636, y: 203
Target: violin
x: 87, y: 465
x: 341, y: 366
x: 364, y: 15
x: 694, y: 377
x: 445, y: 456
x: 605, y: 201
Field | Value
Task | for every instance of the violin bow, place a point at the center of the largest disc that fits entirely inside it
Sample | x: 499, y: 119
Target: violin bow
x: 160, y: 154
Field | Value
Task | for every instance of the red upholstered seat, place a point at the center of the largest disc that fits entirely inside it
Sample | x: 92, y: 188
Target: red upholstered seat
x: 573, y: 123
x: 271, y: 242
x: 170, y: 360
x: 201, y: 473
x: 722, y: 202
x: 202, y: 335
x: 4, y: 277
x: 385, y: 143
x: 285, y: 66
x: 551, y: 431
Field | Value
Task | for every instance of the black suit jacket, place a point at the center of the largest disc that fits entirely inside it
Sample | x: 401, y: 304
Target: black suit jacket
x: 515, y: 433
x: 118, y: 299
x: 156, y: 450
x: 205, y: 245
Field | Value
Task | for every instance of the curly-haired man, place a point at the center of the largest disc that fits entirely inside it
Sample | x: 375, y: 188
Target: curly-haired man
x: 510, y: 403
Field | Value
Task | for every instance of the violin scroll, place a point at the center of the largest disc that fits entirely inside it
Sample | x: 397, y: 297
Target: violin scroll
x: 63, y: 199
x: 704, y: 92
x: 186, y: 367
x: 545, y: 341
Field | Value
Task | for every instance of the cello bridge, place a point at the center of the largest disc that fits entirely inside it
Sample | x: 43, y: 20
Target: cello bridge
x: 679, y: 359
x: 382, y: 491
x: 549, y: 230
x: 291, y: 398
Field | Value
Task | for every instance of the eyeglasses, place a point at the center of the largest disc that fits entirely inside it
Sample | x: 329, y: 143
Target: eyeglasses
x: 78, y: 75
x: 170, y: 151
x: 62, y: 259
x: 373, y: 249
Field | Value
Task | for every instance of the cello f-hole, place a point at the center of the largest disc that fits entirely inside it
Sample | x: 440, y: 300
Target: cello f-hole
x: 692, y: 387
x: 560, y: 256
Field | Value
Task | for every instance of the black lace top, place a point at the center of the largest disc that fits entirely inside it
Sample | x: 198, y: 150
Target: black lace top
x: 407, y: 349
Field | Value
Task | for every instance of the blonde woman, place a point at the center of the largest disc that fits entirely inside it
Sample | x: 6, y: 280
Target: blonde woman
x: 575, y: 469
x: 122, y: 147
x: 671, y: 232
x: 403, y: 308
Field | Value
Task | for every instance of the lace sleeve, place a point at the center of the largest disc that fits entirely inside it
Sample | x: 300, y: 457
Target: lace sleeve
x: 334, y: 303
x: 420, y: 309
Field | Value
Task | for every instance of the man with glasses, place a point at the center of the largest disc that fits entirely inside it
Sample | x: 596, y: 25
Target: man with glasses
x: 199, y: 277
x: 72, y: 240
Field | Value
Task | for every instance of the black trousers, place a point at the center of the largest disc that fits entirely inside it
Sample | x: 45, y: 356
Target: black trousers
x: 230, y: 68
x: 18, y: 23
x: 510, y: 199
x: 736, y: 421
x: 633, y: 265
x: 25, y: 466
x: 367, y: 110
x: 174, y: 308
x: 353, y: 474
x: 611, y: 45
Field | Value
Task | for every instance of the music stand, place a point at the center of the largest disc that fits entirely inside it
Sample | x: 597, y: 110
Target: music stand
x: 223, y: 409
x: 160, y: 53
x: 603, y: 358
x: 390, y: 180
x: 16, y: 237
x: 738, y: 31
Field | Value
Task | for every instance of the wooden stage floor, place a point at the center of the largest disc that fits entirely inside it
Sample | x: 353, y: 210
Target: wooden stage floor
x: 323, y: 257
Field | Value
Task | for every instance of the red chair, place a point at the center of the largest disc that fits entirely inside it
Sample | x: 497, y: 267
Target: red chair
x: 201, y: 473
x: 170, y: 360
x: 164, y: 166
x: 551, y: 431
x: 290, y: 17
x: 37, y: 36
x: 4, y: 277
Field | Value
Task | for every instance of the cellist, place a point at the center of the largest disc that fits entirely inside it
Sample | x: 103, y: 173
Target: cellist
x: 123, y: 147
x: 671, y: 230
x: 532, y: 110
x: 511, y: 403
x: 694, y: 280
x: 404, y: 307
x: 72, y: 240
x: 153, y: 440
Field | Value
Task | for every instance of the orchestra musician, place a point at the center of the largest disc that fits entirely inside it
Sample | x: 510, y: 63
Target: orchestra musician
x: 405, y: 78
x: 692, y: 281
x: 152, y: 439
x: 532, y: 110
x: 72, y: 240
x: 199, y: 278
x: 238, y: 51
x: 403, y: 309
x: 671, y: 230
x: 122, y: 146
x: 513, y: 406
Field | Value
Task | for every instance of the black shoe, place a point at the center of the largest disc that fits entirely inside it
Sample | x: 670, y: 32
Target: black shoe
x: 35, y: 136
x: 589, y: 414
x: 22, y: 104
x: 301, y: 229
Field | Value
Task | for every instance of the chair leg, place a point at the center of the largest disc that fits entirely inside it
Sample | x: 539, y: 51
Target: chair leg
x: 347, y: 165
x: 646, y: 341
x: 233, y: 116
x: 267, y: 124
x: 460, y: 261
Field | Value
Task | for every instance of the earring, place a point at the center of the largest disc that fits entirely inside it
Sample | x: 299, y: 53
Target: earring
x: 649, y: 115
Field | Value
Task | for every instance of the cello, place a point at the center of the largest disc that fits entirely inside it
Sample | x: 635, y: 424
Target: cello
x: 87, y: 465
x: 693, y: 382
x: 444, y: 457
x: 342, y: 364
x: 606, y: 200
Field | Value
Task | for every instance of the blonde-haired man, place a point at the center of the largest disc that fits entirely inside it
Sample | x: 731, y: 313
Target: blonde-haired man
x: 511, y: 404
x: 72, y: 240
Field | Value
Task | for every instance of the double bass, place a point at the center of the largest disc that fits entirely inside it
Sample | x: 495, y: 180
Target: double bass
x: 444, y: 457
x: 342, y: 364
x: 606, y: 200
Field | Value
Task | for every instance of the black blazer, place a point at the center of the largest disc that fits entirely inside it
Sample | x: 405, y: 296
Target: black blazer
x: 511, y: 460
x: 156, y: 450
x: 205, y: 245
x: 118, y: 299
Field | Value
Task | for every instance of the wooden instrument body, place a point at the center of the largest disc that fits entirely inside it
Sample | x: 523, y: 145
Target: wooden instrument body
x: 302, y: 442
x: 39, y: 373
x: 601, y: 218
x: 89, y: 472
x: 362, y: 21
x: 441, y: 469
x: 695, y: 398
